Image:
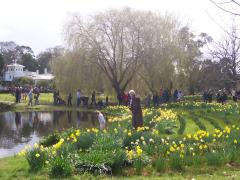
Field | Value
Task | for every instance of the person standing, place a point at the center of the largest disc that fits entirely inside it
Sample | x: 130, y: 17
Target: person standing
x: 69, y: 99
x: 54, y: 97
x: 101, y: 119
x: 106, y: 101
x: 175, y: 95
x: 155, y: 100
x: 148, y: 100
x: 36, y: 96
x: 179, y: 96
x: 135, y: 107
x: 16, y: 94
x: 93, y: 98
x: 120, y: 98
x: 125, y: 98
x: 234, y: 96
x: 78, y: 97
x: 30, y: 97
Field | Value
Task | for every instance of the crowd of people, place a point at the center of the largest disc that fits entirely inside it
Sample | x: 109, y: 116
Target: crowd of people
x: 163, y: 96
x: 21, y: 94
x: 157, y: 98
x: 80, y: 99
x: 221, y: 96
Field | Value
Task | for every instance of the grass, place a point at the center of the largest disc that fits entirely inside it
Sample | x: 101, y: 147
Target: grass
x: 45, y: 100
x: 17, y: 168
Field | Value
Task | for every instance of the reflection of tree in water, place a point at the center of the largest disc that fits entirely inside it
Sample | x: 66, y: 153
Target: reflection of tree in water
x: 56, y: 116
x: 11, y: 136
x: 2, y: 126
x: 26, y: 130
x: 79, y: 117
x: 21, y: 128
x: 18, y: 119
x: 93, y: 118
x: 35, y: 121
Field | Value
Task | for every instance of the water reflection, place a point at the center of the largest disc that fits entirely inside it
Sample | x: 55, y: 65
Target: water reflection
x: 19, y: 129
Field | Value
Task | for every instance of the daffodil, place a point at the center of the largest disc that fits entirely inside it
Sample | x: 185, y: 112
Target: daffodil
x: 37, y: 155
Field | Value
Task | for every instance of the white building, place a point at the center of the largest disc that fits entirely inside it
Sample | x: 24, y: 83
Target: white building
x: 15, y: 70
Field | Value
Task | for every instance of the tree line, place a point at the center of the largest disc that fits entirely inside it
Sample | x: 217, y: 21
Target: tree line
x: 120, y: 49
x: 10, y: 51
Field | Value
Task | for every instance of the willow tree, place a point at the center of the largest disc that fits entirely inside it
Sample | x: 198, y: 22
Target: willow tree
x: 72, y: 72
x: 159, y: 36
x: 113, y: 41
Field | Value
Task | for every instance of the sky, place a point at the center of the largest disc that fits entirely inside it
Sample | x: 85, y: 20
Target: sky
x: 39, y: 23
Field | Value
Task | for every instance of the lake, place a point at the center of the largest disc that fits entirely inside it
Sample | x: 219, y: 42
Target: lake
x: 18, y: 129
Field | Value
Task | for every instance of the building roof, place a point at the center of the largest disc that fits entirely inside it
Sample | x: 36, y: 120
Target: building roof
x: 41, y: 76
x: 15, y: 65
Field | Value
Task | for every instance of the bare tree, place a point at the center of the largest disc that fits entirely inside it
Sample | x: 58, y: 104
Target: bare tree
x: 228, y: 6
x: 113, y: 40
x: 228, y: 53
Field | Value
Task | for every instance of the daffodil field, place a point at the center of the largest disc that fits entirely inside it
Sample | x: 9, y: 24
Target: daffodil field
x: 174, y: 137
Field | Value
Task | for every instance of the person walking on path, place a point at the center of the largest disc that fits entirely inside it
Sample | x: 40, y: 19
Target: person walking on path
x: 135, y: 107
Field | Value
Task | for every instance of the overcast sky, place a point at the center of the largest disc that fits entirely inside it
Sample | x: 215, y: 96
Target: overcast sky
x: 39, y: 23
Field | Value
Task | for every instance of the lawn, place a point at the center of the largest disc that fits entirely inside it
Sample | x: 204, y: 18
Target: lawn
x: 178, y: 141
x: 17, y: 168
x: 44, y: 99
x: 45, y: 103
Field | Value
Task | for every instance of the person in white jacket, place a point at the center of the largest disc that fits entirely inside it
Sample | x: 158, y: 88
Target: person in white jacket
x: 101, y: 120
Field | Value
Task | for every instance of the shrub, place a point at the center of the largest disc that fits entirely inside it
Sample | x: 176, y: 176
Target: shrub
x: 60, y: 167
x: 50, y: 140
x: 104, y: 157
x: 85, y: 141
x: 232, y: 154
x: 159, y: 164
x: 195, y: 161
x: 138, y: 165
x: 23, y: 81
x: 94, y: 162
x: 176, y: 162
x: 36, y: 159
x: 215, y: 159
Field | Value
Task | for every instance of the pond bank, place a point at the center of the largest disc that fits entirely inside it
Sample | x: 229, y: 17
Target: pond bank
x: 5, y: 106
x: 10, y: 106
